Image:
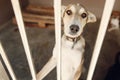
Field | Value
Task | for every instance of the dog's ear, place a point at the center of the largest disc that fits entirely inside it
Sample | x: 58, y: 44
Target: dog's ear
x: 91, y: 17
x: 63, y: 11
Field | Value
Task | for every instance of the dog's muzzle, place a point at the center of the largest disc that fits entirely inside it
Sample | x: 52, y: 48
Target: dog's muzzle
x: 74, y: 29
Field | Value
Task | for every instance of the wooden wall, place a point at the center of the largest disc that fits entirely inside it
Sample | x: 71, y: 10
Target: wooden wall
x: 95, y: 6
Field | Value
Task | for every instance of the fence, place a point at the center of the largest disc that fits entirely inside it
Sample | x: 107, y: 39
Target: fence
x: 57, y: 6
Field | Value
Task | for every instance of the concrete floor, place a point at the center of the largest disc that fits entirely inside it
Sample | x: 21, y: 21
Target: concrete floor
x: 41, y: 41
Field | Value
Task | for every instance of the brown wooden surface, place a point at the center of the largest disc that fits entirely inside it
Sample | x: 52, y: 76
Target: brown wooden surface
x: 37, y: 16
x: 41, y: 10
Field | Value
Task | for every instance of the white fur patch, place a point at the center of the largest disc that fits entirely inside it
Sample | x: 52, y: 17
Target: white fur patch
x: 81, y: 10
x: 73, y: 9
x: 115, y: 22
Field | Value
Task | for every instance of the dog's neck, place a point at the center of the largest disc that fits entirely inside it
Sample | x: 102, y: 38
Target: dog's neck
x: 74, y: 40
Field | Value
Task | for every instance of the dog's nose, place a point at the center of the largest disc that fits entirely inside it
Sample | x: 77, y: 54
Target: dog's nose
x: 74, y: 28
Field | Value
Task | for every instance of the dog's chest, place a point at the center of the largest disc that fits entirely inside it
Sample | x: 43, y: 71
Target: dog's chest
x: 72, y: 56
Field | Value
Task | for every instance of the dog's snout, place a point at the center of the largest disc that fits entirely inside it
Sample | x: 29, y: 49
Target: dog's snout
x: 74, y: 28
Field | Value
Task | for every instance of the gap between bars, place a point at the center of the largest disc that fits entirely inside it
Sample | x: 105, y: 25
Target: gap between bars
x: 18, y: 15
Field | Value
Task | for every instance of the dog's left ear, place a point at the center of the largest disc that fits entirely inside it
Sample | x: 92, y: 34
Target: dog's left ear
x: 91, y: 17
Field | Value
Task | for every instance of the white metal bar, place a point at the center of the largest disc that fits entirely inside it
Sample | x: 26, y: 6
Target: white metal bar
x: 57, y: 11
x: 7, y: 63
x: 100, y: 37
x: 3, y: 74
x: 18, y: 15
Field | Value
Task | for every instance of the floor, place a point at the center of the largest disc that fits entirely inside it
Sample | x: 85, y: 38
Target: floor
x: 41, y: 41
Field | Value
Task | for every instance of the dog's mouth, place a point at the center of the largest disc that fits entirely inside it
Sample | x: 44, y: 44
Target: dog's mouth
x: 73, y: 34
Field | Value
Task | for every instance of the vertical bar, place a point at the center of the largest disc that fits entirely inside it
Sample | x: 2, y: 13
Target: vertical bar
x: 57, y: 11
x: 18, y: 15
x: 7, y: 63
x: 3, y: 74
x: 100, y: 37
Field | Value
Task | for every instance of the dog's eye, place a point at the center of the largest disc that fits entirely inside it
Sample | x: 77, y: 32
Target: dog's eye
x: 83, y: 15
x: 69, y: 12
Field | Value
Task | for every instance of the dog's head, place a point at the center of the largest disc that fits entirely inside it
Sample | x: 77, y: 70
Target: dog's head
x: 114, y: 21
x: 75, y: 18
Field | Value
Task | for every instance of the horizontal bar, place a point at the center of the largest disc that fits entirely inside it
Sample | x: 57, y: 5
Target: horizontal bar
x: 100, y: 37
x: 7, y: 63
x: 18, y: 15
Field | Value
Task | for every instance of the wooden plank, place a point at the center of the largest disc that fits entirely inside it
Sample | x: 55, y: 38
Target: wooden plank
x: 31, y: 16
x: 35, y: 20
x: 41, y: 10
x: 3, y: 74
x: 40, y: 20
x: 30, y: 24
x: 47, y: 17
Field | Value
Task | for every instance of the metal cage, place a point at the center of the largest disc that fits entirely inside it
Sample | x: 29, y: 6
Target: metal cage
x: 57, y: 11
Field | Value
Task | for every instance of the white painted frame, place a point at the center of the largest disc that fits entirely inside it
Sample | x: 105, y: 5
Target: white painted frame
x: 57, y: 6
x: 100, y: 37
x: 57, y: 11
x: 7, y: 63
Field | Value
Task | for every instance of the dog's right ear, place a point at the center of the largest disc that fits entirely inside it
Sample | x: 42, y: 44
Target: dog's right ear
x: 63, y: 11
x: 91, y: 17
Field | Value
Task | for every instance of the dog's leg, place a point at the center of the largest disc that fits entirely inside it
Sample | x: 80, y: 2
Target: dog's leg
x: 111, y: 29
x: 47, y: 68
x: 79, y: 71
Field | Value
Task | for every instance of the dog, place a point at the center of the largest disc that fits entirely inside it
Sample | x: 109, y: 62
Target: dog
x: 75, y: 17
x: 114, y: 26
x: 114, y: 23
